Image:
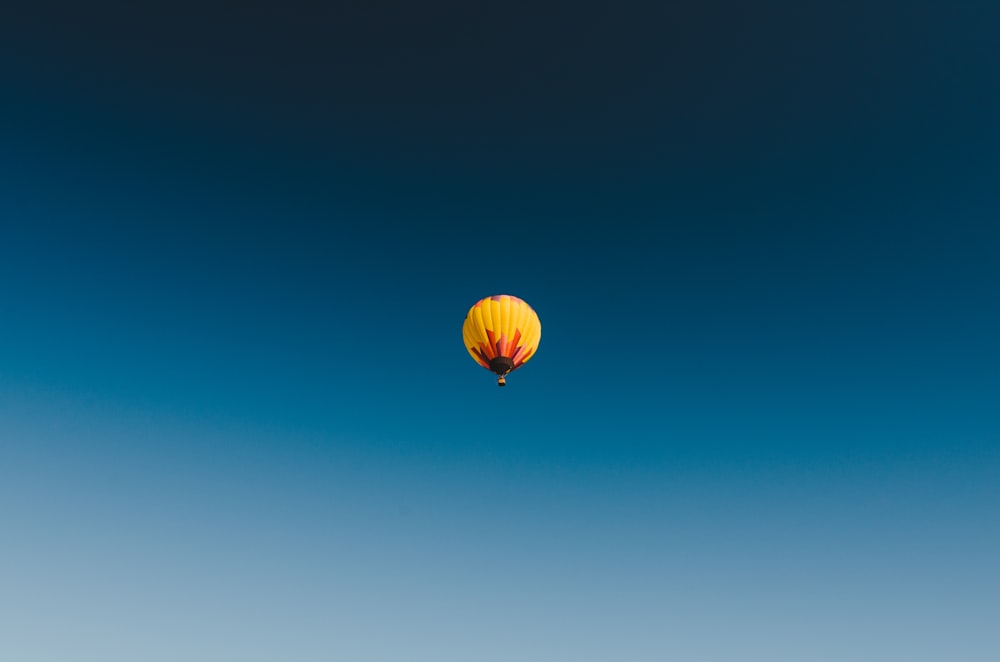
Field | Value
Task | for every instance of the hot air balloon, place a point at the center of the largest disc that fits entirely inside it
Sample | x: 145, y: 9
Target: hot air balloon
x: 501, y: 333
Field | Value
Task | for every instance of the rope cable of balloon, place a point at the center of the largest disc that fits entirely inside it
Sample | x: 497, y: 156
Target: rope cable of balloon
x: 501, y: 365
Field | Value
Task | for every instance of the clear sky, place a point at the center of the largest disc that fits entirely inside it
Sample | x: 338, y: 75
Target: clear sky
x: 237, y: 420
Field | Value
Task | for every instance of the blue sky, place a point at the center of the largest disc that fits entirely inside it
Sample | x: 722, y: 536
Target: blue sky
x: 237, y: 420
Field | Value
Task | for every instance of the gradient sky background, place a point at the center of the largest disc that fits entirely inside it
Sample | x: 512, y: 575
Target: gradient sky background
x: 237, y: 421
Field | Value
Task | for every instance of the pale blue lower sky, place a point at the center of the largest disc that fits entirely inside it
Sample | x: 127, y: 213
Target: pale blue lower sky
x: 136, y: 534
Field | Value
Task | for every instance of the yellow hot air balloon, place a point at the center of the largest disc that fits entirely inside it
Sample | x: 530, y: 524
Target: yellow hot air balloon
x: 501, y: 333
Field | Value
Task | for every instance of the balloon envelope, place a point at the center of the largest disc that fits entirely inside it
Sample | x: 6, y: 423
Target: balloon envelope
x: 502, y: 333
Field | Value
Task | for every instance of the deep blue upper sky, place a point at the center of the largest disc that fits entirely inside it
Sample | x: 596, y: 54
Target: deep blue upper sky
x: 237, y: 245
